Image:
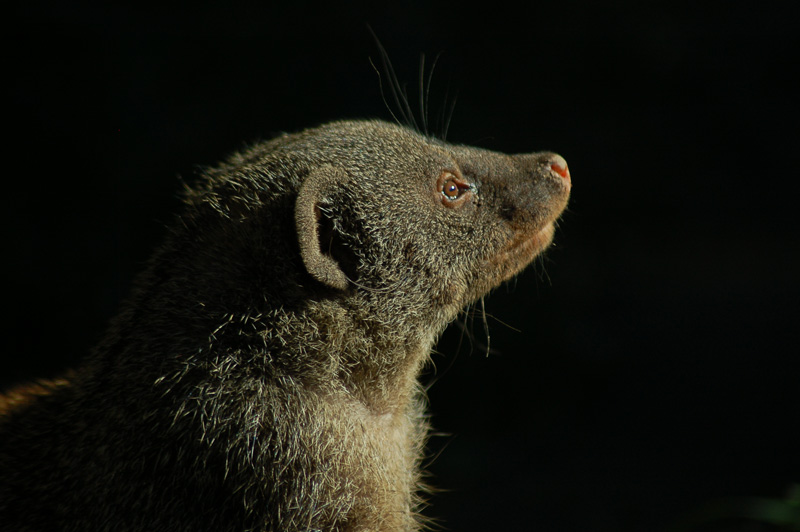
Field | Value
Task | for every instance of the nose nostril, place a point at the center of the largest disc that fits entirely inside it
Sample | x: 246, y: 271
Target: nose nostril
x: 561, y: 170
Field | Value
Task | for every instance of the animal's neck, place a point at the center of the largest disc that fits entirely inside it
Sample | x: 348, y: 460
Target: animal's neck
x: 377, y: 363
x: 385, y: 388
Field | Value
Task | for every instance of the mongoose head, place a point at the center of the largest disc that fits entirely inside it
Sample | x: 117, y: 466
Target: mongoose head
x: 391, y: 211
x: 385, y: 220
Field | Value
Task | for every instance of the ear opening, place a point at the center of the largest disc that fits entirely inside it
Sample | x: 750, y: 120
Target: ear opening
x: 314, y: 230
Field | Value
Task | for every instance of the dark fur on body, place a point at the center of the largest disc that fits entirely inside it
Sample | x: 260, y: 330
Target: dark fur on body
x: 263, y: 374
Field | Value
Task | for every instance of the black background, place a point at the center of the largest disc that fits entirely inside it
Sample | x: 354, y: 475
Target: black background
x: 646, y: 367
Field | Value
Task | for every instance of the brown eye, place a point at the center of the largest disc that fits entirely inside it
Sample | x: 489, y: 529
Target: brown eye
x: 452, y: 188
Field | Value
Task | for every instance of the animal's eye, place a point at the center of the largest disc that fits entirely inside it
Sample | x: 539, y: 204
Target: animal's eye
x: 451, y: 187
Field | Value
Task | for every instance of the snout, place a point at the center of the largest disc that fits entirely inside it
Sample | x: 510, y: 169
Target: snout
x: 558, y: 165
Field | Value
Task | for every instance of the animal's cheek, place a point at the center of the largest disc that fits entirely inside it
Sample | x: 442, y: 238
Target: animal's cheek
x: 410, y: 250
x: 451, y: 294
x: 441, y: 256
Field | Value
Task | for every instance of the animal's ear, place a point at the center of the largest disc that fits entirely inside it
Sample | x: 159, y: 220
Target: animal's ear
x: 314, y: 241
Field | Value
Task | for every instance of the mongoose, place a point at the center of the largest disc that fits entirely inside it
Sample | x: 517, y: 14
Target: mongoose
x: 262, y: 375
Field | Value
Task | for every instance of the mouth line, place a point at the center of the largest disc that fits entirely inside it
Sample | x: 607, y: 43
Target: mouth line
x: 522, y: 249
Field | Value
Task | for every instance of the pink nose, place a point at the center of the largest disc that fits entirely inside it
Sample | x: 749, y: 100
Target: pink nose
x: 560, y: 167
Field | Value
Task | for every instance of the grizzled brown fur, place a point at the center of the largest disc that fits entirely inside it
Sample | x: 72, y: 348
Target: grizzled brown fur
x: 263, y: 374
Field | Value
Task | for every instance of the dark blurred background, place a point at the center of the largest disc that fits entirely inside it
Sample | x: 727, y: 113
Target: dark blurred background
x: 646, y: 368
